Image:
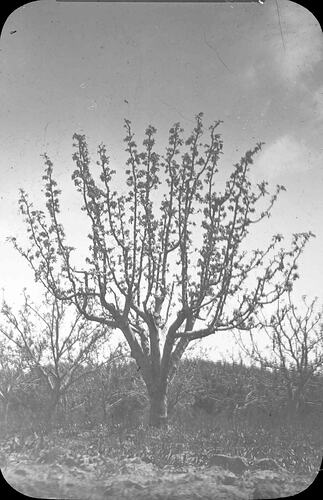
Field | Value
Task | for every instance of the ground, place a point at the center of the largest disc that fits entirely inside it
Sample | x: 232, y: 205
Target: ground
x: 64, y: 471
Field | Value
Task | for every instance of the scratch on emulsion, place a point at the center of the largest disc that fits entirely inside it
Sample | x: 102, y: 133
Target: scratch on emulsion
x: 280, y: 25
x: 217, y: 53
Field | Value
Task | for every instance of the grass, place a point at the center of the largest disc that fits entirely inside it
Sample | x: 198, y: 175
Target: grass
x: 191, y: 439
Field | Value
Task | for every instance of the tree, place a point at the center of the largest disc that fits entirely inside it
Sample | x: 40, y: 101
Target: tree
x: 54, y: 341
x: 12, y: 371
x: 166, y: 259
x: 295, y: 339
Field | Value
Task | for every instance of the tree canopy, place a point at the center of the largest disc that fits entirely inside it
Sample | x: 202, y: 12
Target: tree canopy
x: 167, y: 256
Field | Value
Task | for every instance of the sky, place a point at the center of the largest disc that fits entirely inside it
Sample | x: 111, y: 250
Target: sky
x: 84, y: 67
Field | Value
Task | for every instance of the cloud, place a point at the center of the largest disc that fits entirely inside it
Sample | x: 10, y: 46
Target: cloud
x: 285, y: 156
x: 318, y: 104
x: 288, y: 53
x: 249, y: 76
x: 300, y: 39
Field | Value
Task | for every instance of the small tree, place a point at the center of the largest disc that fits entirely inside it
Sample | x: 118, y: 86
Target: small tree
x: 167, y: 259
x: 54, y: 341
x: 12, y: 379
x: 295, y: 340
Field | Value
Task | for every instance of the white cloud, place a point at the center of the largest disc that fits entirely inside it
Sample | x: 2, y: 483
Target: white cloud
x: 250, y: 76
x: 318, y: 104
x: 300, y: 40
x: 288, y: 52
x: 285, y: 156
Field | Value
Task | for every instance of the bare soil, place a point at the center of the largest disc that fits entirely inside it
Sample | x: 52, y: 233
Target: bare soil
x: 58, y: 474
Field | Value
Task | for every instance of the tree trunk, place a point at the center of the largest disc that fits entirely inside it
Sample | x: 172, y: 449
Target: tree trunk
x: 158, y: 408
x: 51, y: 410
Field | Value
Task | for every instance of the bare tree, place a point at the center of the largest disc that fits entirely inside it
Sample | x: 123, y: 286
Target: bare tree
x: 55, y: 341
x: 167, y: 260
x: 295, y: 338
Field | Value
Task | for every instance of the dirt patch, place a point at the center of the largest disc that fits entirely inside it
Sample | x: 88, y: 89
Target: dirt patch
x: 133, y: 479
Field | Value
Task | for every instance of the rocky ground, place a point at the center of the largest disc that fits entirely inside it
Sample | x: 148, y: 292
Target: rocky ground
x: 57, y: 473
